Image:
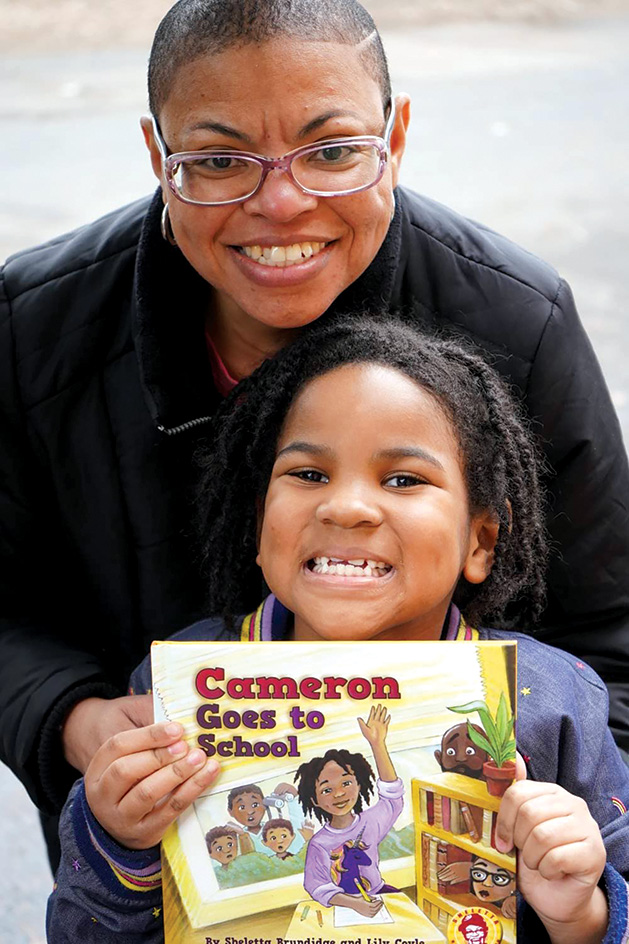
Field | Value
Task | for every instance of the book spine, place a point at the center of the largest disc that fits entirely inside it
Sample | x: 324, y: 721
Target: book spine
x: 487, y: 818
x: 438, y: 811
x: 446, y: 813
x: 494, y: 818
x: 430, y: 807
x: 423, y: 806
x: 456, y: 826
x: 425, y: 860
x: 442, y: 861
x: 442, y: 923
x: 468, y: 819
x: 432, y: 870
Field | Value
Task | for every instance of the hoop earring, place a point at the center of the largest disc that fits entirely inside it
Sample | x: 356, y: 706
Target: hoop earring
x: 167, y: 227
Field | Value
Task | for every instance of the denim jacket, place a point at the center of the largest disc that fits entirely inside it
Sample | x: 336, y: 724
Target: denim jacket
x: 103, y: 890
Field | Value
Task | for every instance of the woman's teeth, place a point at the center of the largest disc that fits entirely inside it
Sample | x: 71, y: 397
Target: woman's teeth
x: 282, y: 256
x: 348, y: 568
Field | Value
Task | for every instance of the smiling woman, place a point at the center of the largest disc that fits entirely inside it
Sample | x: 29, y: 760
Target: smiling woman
x: 276, y: 143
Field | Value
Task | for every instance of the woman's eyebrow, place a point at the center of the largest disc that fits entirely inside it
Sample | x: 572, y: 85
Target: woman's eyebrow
x: 300, y: 446
x: 220, y: 128
x: 316, y: 123
x: 404, y: 452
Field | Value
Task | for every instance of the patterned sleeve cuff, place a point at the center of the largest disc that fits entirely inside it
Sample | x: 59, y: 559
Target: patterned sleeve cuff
x: 617, y: 893
x: 128, y: 873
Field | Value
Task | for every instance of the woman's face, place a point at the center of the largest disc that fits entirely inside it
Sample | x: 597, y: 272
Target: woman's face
x: 269, y: 99
x: 366, y: 526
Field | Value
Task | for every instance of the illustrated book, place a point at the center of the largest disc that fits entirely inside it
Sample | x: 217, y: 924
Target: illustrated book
x: 357, y: 796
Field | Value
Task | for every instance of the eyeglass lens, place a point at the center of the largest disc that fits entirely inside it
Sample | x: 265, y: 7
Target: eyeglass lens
x: 222, y: 176
x: 498, y: 878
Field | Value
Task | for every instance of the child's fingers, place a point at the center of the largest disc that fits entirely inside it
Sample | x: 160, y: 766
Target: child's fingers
x: 154, y: 825
x: 520, y: 767
x: 153, y: 737
x: 517, y: 795
x: 583, y: 861
x: 142, y: 797
x: 549, y: 820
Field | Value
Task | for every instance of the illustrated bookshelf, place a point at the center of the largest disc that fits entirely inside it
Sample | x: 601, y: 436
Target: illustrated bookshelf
x: 455, y: 819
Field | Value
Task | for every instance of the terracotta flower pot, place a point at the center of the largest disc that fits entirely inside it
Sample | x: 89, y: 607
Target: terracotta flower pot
x: 498, y: 778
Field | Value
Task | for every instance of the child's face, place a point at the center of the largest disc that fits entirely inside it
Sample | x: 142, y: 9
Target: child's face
x: 368, y: 472
x: 278, y: 839
x: 248, y: 809
x: 223, y: 849
x: 336, y: 789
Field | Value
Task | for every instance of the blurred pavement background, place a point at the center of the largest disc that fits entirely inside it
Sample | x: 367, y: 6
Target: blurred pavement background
x: 520, y: 112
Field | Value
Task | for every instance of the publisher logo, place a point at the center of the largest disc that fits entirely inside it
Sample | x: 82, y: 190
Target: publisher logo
x: 475, y: 926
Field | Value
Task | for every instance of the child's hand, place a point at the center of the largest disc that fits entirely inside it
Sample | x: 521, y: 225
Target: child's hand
x: 368, y: 908
x: 455, y: 872
x: 561, y: 858
x: 375, y: 731
x: 140, y: 780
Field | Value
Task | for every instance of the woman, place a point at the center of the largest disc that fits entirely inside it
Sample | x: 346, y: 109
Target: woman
x: 120, y: 339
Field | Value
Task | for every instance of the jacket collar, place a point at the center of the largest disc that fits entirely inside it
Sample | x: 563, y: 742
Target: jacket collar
x: 272, y: 622
x: 169, y: 320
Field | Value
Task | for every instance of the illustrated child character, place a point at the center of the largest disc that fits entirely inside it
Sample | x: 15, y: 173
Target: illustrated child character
x: 222, y: 844
x: 489, y: 882
x: 459, y: 755
x: 342, y: 859
x: 248, y: 806
x: 278, y: 834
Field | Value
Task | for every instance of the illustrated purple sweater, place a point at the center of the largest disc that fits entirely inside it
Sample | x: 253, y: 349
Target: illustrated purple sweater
x: 374, y: 823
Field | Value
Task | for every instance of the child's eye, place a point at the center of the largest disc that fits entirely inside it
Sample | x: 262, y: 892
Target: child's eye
x: 310, y: 475
x: 405, y: 480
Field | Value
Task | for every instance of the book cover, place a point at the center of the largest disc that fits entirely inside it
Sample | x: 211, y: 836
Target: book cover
x: 321, y: 826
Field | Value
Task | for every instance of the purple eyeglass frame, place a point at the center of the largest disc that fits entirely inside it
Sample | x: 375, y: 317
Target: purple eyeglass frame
x: 169, y: 161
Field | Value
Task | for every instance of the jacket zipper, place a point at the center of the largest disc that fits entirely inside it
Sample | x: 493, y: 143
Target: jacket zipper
x: 184, y: 426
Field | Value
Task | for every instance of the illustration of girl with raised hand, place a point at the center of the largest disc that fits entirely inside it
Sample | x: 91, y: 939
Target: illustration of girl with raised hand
x: 342, y: 860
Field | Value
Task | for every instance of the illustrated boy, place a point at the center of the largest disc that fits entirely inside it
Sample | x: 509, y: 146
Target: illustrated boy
x: 278, y: 834
x: 246, y: 806
x: 222, y: 844
x: 459, y: 755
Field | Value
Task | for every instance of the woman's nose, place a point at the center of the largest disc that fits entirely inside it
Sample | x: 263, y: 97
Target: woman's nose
x: 279, y: 199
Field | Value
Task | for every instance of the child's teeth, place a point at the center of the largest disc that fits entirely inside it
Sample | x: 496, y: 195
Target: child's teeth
x: 350, y: 568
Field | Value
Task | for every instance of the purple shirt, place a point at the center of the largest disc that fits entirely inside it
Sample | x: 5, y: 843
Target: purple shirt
x: 374, y: 823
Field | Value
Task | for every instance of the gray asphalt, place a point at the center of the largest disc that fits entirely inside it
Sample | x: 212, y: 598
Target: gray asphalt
x: 522, y: 127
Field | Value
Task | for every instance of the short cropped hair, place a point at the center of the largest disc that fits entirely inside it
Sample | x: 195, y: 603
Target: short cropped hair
x: 238, y: 791
x: 195, y: 28
x: 277, y: 823
x: 217, y: 832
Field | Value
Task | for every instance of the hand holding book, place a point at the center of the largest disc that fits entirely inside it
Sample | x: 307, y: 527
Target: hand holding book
x: 141, y: 780
x: 561, y: 858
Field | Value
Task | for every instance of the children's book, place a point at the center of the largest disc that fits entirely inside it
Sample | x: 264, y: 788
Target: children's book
x: 357, y: 795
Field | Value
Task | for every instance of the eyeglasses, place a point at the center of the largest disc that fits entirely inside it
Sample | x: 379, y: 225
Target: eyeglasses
x: 330, y: 168
x: 497, y: 878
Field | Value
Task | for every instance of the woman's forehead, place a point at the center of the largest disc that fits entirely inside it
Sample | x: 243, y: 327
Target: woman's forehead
x: 246, y: 87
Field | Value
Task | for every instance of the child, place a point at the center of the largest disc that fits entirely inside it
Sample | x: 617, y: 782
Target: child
x: 278, y: 834
x: 222, y: 844
x: 333, y: 787
x: 385, y: 485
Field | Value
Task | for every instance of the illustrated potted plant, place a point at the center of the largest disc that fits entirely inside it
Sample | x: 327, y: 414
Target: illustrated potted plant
x: 497, y: 740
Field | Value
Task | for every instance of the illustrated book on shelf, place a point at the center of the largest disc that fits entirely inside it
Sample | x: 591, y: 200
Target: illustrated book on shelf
x: 357, y: 796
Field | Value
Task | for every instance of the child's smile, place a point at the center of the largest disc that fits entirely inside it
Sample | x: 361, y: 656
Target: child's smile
x: 366, y: 528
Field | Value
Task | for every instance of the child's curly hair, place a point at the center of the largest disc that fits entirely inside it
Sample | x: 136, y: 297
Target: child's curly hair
x: 307, y: 775
x: 501, y: 462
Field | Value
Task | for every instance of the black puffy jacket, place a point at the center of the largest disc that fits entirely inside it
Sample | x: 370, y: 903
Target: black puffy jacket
x: 105, y: 389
